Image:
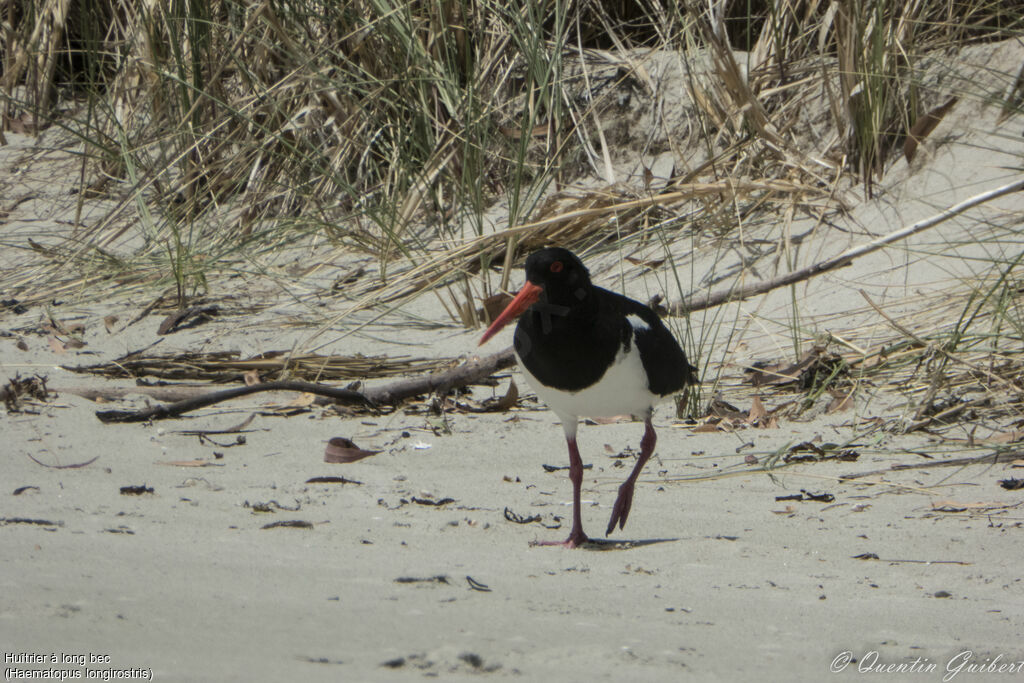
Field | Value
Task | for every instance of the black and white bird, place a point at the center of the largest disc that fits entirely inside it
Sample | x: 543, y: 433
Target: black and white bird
x: 589, y: 352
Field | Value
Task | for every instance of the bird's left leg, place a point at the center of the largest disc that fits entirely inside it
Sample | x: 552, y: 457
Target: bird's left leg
x: 624, y: 501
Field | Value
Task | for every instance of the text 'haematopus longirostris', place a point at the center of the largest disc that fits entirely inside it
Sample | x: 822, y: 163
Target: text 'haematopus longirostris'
x: 589, y: 352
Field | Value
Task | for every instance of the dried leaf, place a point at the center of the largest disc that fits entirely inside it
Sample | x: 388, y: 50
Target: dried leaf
x: 494, y: 305
x: 757, y: 410
x: 303, y: 400
x: 646, y: 263
x: 109, y: 322
x: 342, y: 450
x: 1006, y: 437
x: 190, y: 317
x: 509, y: 400
x: 841, y: 401
x: 718, y: 407
x: 924, y: 126
x: 56, y: 345
x: 762, y: 374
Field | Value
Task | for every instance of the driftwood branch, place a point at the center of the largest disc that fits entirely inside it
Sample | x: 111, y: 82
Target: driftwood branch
x: 700, y: 302
x: 990, y: 459
x: 160, y: 412
x: 471, y: 371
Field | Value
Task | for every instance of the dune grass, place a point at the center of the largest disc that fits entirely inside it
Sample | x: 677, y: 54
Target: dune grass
x: 445, y: 138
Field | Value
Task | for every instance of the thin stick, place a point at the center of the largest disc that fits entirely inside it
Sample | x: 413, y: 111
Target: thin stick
x: 698, y: 303
x: 990, y: 459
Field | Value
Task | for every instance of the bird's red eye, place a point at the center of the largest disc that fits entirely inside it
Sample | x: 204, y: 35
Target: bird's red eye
x: 556, y: 267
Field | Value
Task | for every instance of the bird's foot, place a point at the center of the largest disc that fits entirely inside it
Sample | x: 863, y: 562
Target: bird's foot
x: 620, y: 511
x: 575, y: 540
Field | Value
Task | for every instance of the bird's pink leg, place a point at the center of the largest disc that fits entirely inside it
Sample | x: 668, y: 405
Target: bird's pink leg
x: 576, y: 536
x: 624, y: 501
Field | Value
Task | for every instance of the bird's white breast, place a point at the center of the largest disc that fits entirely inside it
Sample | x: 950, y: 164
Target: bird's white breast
x: 622, y: 390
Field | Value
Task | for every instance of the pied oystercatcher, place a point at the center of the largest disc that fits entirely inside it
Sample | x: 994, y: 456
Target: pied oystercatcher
x: 589, y: 352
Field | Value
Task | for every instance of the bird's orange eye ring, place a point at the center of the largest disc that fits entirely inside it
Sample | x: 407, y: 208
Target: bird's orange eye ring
x: 556, y: 267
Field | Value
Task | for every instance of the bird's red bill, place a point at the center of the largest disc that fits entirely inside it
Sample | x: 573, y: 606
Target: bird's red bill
x: 524, y: 299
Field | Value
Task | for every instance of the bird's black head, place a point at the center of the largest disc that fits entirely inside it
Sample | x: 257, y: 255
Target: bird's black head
x: 562, y: 275
x: 557, y: 285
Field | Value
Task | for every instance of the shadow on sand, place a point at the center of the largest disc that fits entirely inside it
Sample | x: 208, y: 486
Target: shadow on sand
x: 600, y: 544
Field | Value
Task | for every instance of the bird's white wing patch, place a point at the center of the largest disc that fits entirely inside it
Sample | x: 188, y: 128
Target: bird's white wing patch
x: 637, y: 322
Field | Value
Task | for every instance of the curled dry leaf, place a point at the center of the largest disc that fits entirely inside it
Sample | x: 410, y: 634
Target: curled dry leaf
x: 923, y: 127
x: 508, y: 401
x: 494, y: 305
x: 342, y: 450
x: 56, y: 345
x: 651, y: 264
x: 757, y: 410
x: 109, y: 322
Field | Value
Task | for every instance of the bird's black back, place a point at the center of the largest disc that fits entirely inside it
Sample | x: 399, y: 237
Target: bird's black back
x: 571, y: 335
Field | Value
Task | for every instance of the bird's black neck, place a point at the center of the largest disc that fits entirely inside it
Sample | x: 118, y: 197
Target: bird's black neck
x: 564, y: 341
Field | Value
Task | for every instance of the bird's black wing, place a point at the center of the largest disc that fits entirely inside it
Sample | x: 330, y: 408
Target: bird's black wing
x: 668, y: 369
